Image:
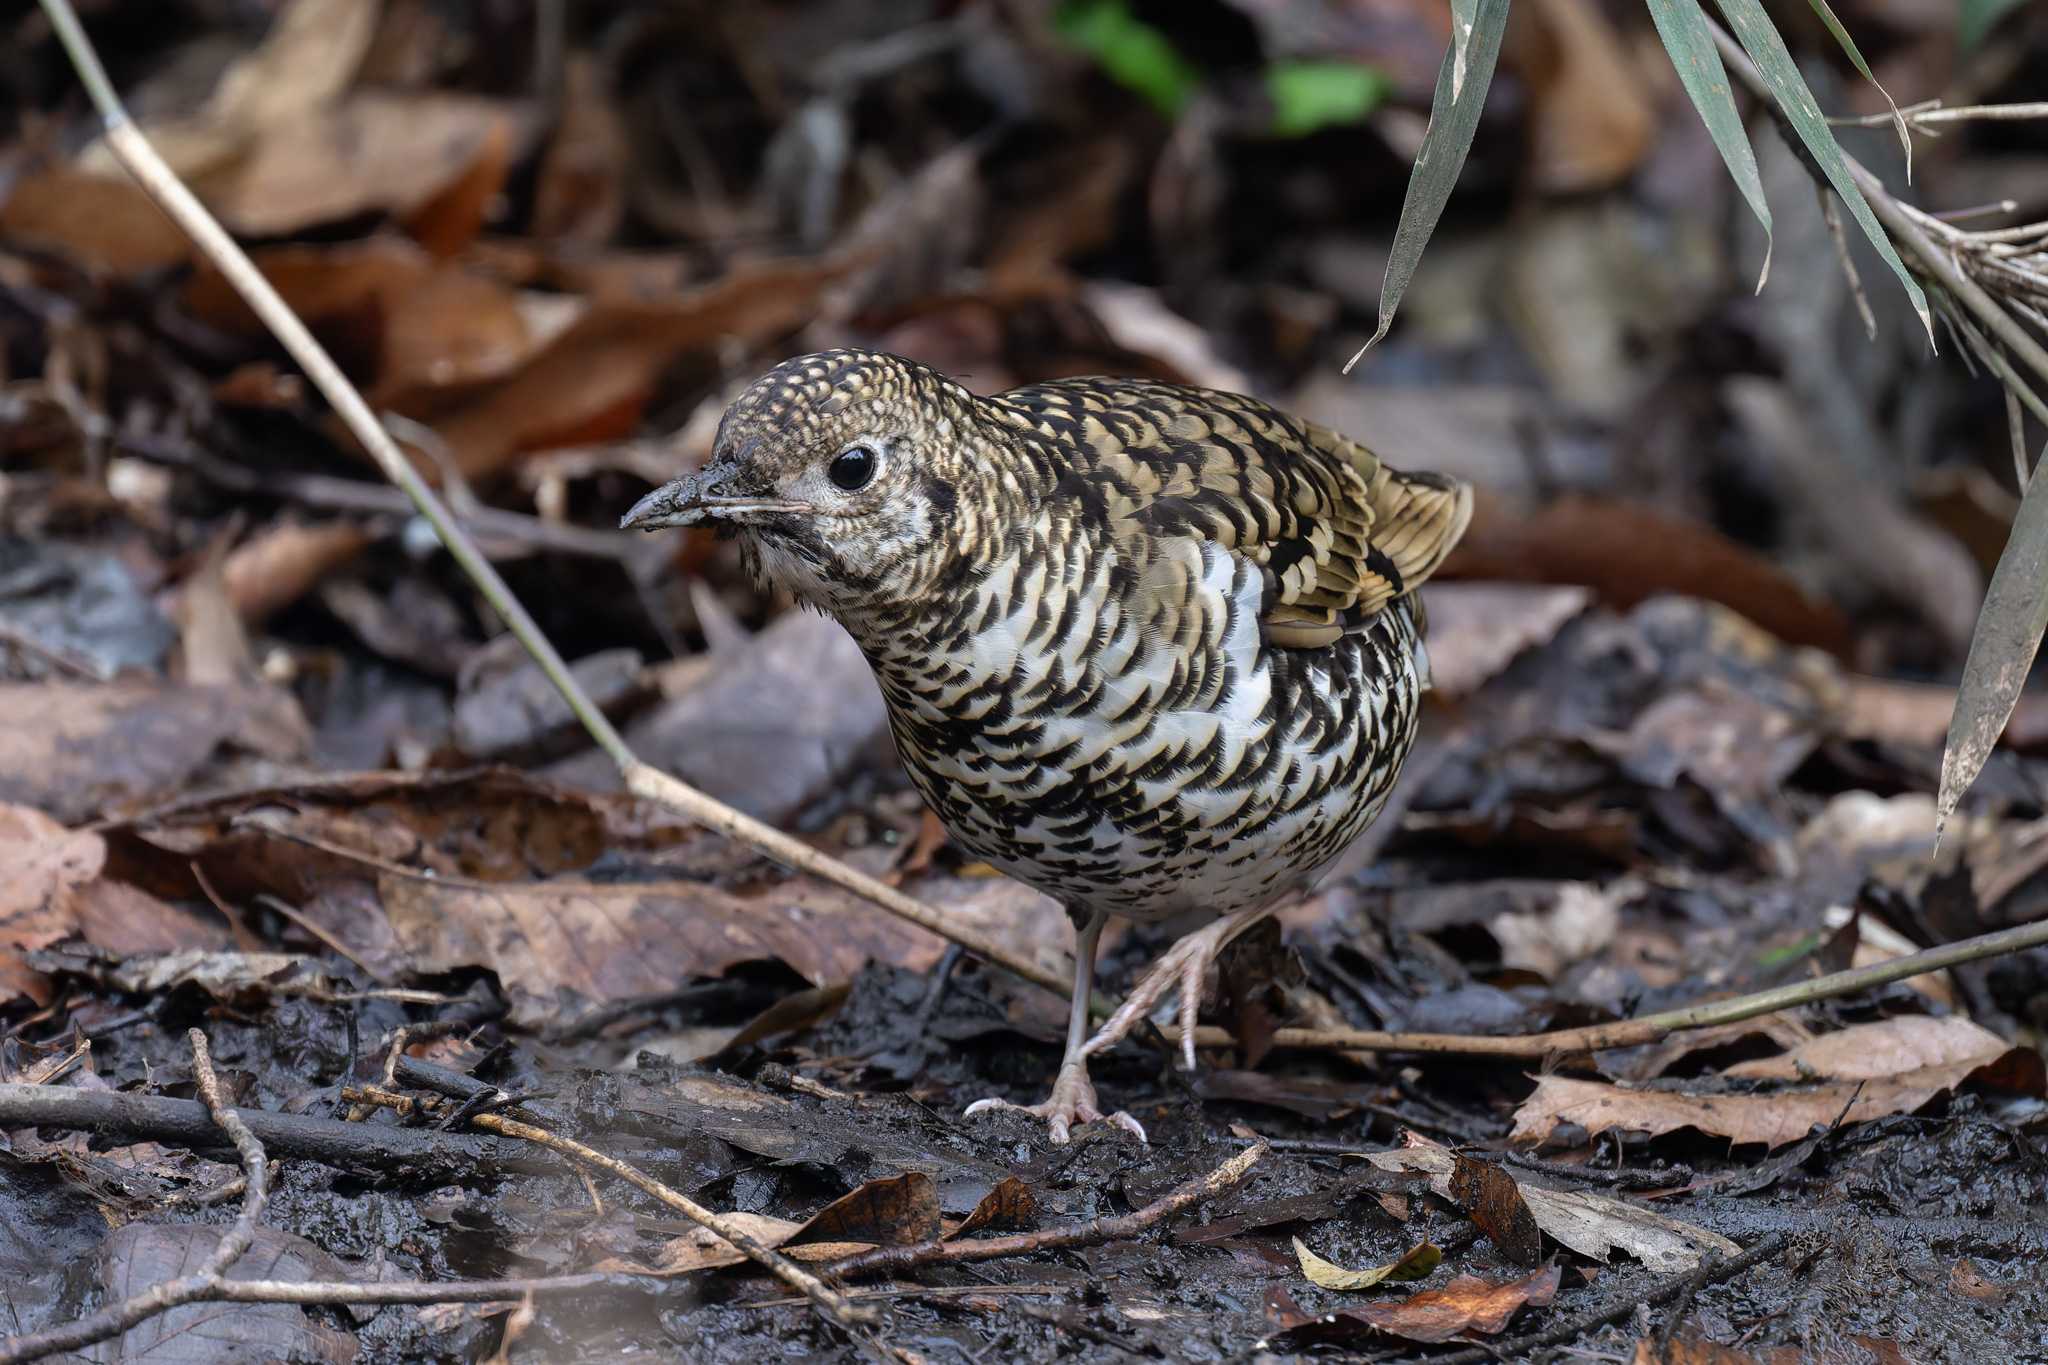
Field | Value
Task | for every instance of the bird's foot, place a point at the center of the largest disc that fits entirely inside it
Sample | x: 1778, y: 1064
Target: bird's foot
x: 1184, y: 968
x: 1072, y: 1103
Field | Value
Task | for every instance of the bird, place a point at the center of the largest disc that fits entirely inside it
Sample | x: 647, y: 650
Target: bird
x: 1153, y: 650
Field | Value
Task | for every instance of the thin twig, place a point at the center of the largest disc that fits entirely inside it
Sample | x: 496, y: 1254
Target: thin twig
x: 203, y: 1283
x: 829, y: 1300
x: 1933, y: 112
x: 133, y: 151
x: 1653, y: 1027
x: 900, y: 1260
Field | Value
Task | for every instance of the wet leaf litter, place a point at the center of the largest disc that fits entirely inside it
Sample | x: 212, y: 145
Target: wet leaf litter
x: 245, y: 705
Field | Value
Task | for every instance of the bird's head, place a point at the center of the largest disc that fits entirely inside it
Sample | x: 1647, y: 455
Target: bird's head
x: 841, y: 473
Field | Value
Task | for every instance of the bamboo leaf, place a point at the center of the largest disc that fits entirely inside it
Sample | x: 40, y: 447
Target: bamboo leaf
x: 1690, y: 43
x: 1453, y: 119
x: 1848, y: 45
x: 2001, y: 652
x: 1759, y: 38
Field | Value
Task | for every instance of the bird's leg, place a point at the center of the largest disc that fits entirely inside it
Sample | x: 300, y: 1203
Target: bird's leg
x: 1185, y: 967
x: 1073, y: 1094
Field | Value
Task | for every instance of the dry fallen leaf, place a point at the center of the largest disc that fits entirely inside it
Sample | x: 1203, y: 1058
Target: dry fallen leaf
x: 559, y: 947
x: 1466, y: 1304
x: 895, y: 1210
x: 1772, y: 1119
x: 1592, y: 1225
x: 78, y: 752
x: 1689, y: 1351
x: 1008, y: 1207
x: 1888, y: 1047
x: 1478, y: 629
x: 1414, y: 1264
x: 42, y: 867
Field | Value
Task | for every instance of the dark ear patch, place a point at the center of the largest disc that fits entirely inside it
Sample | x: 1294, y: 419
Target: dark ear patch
x: 943, y: 496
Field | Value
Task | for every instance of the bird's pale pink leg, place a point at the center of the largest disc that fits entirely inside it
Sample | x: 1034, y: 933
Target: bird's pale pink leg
x: 1073, y: 1094
x: 1185, y: 967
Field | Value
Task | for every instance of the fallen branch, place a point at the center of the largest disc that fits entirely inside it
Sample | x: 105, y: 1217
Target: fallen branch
x: 204, y: 1283
x: 1122, y: 1227
x: 415, y: 1154
x: 1650, y: 1028
x: 133, y: 151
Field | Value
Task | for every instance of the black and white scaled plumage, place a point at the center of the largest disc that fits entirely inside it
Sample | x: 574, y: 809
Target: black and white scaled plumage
x: 1152, y: 650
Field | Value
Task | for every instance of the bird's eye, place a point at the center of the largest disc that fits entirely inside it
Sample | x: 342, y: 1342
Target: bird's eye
x: 852, y: 467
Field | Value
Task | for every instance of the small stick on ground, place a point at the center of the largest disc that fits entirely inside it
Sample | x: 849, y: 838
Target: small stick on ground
x: 207, y: 1281
x: 1122, y: 1227
x: 411, y: 1153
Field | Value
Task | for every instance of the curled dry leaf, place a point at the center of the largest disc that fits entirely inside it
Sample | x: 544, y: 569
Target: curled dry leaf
x: 1009, y: 1207
x: 1414, y: 1264
x: 894, y: 1210
x: 1493, y: 1199
x: 1592, y: 1225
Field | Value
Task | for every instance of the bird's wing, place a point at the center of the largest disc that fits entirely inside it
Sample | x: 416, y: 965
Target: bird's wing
x: 1337, y: 533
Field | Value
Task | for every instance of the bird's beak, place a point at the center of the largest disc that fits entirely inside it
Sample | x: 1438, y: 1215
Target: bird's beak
x: 686, y: 502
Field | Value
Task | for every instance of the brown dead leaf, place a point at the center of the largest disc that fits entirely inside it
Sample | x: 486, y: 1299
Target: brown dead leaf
x: 1009, y: 1207
x: 560, y: 946
x: 103, y: 223
x: 1888, y: 1047
x: 1967, y: 1280
x: 1492, y: 1199
x: 1415, y: 1264
x: 1466, y: 1304
x: 284, y: 562
x: 1592, y: 120
x: 1593, y: 1225
x: 407, y: 326
x: 1478, y: 629
x: 1652, y: 1060
x: 42, y: 867
x: 591, y: 381
x: 420, y: 155
x: 1772, y: 1119
x: 894, y: 1210
x: 78, y: 752
x: 1598, y: 543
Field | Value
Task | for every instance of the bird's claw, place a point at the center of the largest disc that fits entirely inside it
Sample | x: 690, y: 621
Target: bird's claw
x: 1071, y: 1104
x: 1184, y: 968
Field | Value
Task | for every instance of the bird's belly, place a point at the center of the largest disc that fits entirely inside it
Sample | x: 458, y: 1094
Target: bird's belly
x: 1216, y: 808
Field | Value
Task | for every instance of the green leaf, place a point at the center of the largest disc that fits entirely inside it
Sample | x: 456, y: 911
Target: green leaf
x: 1136, y: 55
x: 1453, y: 119
x: 1310, y: 96
x: 1690, y: 41
x: 2002, y: 651
x: 1978, y: 18
x: 1848, y: 45
x: 1760, y: 39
